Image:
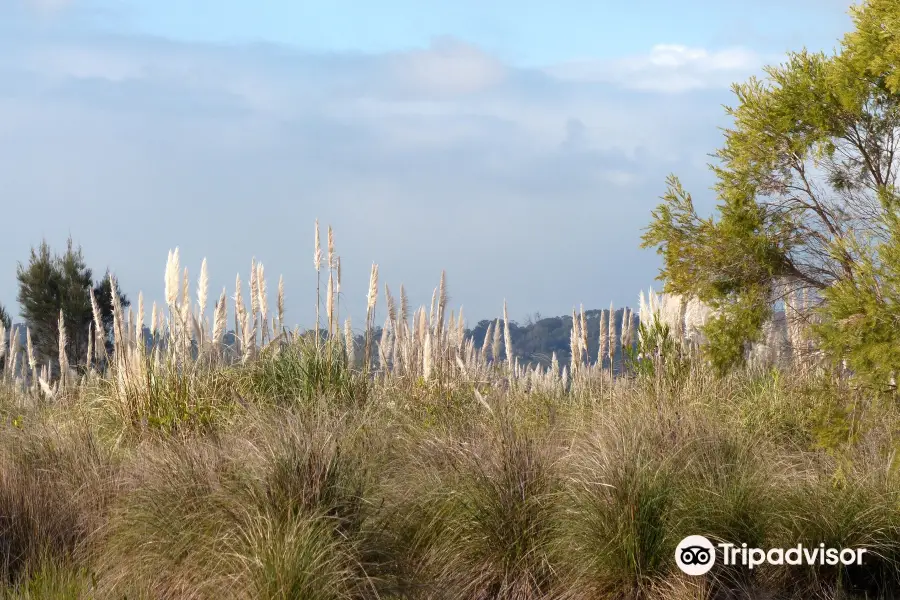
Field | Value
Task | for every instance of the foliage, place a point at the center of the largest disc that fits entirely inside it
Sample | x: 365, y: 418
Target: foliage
x: 862, y: 318
x: 53, y: 283
x: 658, y: 353
x: 807, y: 167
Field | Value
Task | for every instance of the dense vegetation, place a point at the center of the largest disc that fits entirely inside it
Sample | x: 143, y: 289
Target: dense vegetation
x: 808, y: 202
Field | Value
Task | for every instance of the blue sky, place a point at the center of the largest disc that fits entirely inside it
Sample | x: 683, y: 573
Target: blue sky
x: 519, y: 32
x: 519, y: 145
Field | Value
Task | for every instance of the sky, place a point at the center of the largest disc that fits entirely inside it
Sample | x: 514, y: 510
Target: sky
x: 520, y: 146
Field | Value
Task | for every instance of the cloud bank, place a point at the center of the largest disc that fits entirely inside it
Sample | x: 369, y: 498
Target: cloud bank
x: 526, y: 184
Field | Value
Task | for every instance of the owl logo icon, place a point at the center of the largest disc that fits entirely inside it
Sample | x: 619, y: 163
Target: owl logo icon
x: 695, y: 555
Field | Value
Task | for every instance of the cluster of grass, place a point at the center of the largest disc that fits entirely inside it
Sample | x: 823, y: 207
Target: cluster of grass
x: 286, y: 466
x: 311, y: 481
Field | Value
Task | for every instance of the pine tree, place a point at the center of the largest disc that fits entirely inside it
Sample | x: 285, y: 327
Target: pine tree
x: 50, y: 283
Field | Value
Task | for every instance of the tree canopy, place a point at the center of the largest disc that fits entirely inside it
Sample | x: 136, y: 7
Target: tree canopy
x: 806, y: 183
x: 52, y: 283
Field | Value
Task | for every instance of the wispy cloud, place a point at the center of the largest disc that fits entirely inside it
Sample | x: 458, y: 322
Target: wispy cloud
x: 448, y: 66
x: 441, y: 157
x: 47, y: 7
x: 666, y: 68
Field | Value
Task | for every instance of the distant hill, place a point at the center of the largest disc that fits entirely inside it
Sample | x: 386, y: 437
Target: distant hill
x: 535, y: 341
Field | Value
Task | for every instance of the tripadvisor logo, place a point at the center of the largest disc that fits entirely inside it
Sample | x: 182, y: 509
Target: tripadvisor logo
x: 696, y: 555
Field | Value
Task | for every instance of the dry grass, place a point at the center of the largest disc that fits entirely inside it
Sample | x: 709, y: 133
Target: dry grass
x: 283, y: 467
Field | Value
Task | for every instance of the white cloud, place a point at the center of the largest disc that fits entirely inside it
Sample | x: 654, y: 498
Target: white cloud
x: 448, y: 66
x: 666, y: 68
x: 48, y: 7
x: 82, y: 62
x: 231, y: 152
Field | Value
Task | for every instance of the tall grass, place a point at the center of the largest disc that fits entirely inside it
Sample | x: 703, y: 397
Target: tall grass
x: 293, y: 464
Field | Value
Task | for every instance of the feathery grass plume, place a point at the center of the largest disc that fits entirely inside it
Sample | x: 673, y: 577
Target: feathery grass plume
x: 254, y: 302
x: 349, y: 345
x: 604, y: 339
x: 696, y: 315
x: 254, y: 289
x: 184, y: 316
x: 420, y: 324
x: 391, y: 305
x: 584, y: 337
x: 371, y: 299
x: 486, y: 342
x: 383, y: 347
x: 45, y: 388
x: 432, y: 314
x: 427, y: 356
x: 185, y: 288
x: 675, y: 309
x: 118, y: 325
x: 337, y: 298
x: 88, y: 363
x: 63, y: 357
x: 172, y: 271
x: 613, y: 338
x: 13, y: 355
x: 30, y: 357
x: 238, y: 313
x: 574, y: 350
x: 404, y: 305
x: 195, y: 328
x: 248, y: 334
x: 317, y: 254
x: 632, y: 331
x: 139, y: 322
x: 279, y: 303
x: 338, y: 269
x: 626, y: 328
x: 495, y: 343
x: 329, y: 305
x: 153, y: 317
x: 317, y: 262
x: 442, y: 301
x: 129, y: 325
x: 450, y: 338
x: 2, y: 341
x: 29, y: 348
x: 263, y: 301
x: 202, y: 288
x: 332, y: 264
x: 395, y: 350
x: 248, y: 326
x: 219, y: 322
x: 99, y: 330
x: 507, y: 335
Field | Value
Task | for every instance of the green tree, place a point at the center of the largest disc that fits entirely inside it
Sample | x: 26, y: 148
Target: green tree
x: 805, y: 181
x: 862, y: 315
x: 50, y: 283
x: 5, y: 319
